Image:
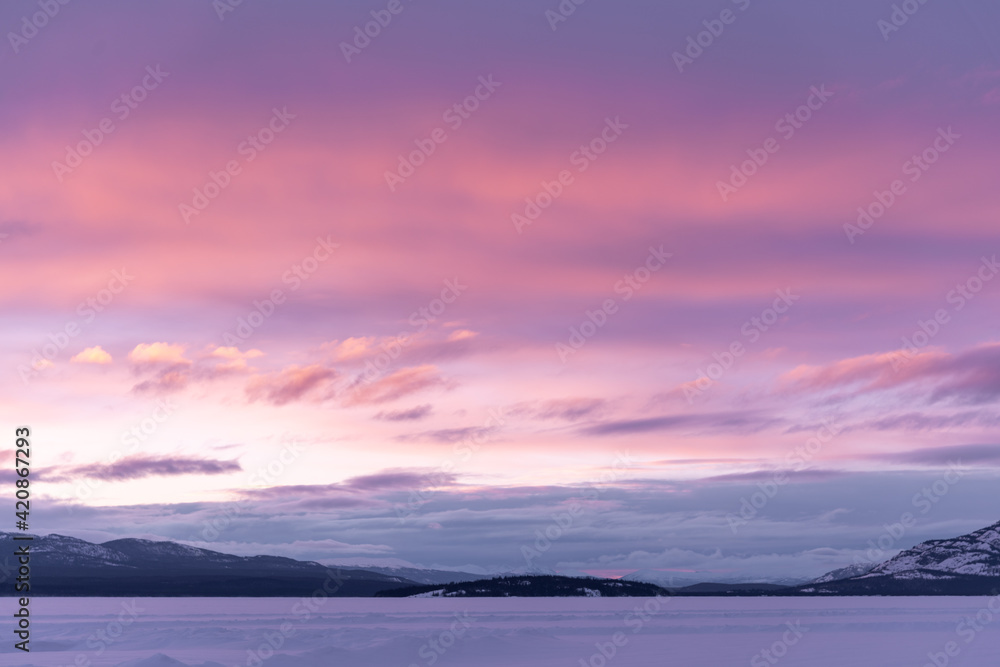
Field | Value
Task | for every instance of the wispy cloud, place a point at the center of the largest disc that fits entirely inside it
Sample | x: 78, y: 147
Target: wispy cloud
x: 395, y: 386
x: 291, y: 384
x: 731, y: 422
x: 139, y: 467
x: 412, y: 414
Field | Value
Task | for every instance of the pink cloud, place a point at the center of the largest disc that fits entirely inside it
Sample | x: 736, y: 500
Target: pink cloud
x: 972, y: 375
x: 290, y: 384
x: 403, y: 382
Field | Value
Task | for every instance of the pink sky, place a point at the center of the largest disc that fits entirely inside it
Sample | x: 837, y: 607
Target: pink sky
x: 328, y: 266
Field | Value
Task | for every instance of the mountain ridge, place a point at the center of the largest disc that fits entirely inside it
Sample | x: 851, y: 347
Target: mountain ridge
x: 965, y: 565
x: 68, y: 566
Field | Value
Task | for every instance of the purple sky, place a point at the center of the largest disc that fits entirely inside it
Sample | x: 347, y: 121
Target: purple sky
x: 491, y: 268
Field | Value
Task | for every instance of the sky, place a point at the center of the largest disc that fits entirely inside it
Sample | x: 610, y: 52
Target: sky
x: 700, y: 288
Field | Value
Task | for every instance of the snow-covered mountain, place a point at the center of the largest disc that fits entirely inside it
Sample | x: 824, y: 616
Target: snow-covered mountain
x: 964, y: 565
x: 976, y: 554
x: 844, y: 573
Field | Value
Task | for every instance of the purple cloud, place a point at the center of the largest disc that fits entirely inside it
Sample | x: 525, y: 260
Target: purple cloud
x: 139, y: 467
x: 412, y: 414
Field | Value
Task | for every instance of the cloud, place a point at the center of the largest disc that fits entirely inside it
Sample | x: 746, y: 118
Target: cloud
x: 413, y: 414
x: 158, y: 353
x: 139, y: 467
x: 7, y: 474
x: 399, y: 480
x: 972, y: 376
x: 166, y: 381
x: 171, y: 371
x: 427, y: 347
x: 461, y: 334
x: 447, y: 435
x: 403, y: 382
x: 354, y: 492
x: 922, y: 421
x: 232, y: 360
x: 171, y: 368
x: 14, y: 228
x: 566, y: 409
x: 985, y: 454
x: 92, y: 355
x: 740, y: 422
x: 349, y: 348
x: 488, y: 525
x: 793, y: 476
x: 290, y: 384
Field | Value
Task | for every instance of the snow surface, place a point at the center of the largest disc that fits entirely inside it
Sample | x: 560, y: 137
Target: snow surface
x: 494, y: 632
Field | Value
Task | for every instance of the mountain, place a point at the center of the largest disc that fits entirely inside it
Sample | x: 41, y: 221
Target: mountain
x: 669, y: 580
x: 709, y: 588
x: 530, y: 586
x: 845, y: 573
x: 977, y: 554
x: 423, y: 576
x: 395, y: 567
x: 964, y: 565
x: 67, y: 566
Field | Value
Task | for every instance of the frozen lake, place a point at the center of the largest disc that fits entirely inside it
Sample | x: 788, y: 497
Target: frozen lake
x: 522, y: 632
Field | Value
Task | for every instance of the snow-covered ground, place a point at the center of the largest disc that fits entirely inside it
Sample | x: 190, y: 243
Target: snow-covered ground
x: 487, y: 632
